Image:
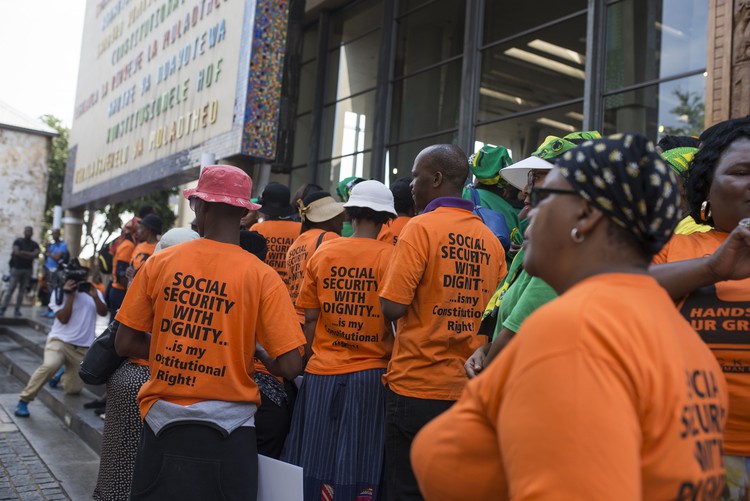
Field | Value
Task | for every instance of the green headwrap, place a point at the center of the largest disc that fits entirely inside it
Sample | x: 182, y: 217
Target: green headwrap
x: 679, y: 159
x: 486, y: 164
x: 344, y: 188
x: 554, y: 146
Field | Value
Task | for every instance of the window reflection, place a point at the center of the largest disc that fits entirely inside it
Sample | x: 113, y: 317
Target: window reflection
x: 669, y: 108
x: 538, y: 69
x: 522, y: 135
x: 652, y: 39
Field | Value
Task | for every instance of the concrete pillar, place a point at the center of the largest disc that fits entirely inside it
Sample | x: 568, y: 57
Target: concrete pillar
x: 73, y: 230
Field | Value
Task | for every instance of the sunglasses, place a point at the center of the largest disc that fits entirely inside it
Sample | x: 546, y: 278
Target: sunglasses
x: 537, y: 195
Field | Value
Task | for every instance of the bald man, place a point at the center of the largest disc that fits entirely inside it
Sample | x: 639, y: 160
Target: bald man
x: 444, y: 269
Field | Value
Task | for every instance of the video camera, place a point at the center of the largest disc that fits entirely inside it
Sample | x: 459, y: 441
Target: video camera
x: 70, y: 271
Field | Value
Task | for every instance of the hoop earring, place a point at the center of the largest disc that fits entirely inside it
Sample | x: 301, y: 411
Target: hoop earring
x: 705, y: 211
x: 576, y: 236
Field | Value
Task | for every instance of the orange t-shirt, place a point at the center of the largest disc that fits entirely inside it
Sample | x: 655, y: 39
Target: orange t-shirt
x: 606, y: 393
x: 279, y: 235
x: 296, y: 260
x: 389, y: 232
x: 342, y: 281
x: 205, y: 304
x: 123, y: 255
x: 141, y: 253
x: 446, y: 266
x: 721, y: 315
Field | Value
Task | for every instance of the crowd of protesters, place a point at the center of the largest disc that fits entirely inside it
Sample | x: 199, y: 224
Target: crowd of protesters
x: 388, y: 344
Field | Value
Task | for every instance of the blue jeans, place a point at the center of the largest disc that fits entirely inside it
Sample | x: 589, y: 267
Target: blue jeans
x: 18, y: 278
x: 404, y: 417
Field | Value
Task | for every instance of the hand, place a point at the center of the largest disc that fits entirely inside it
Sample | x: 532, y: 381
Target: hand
x: 93, y: 292
x: 130, y: 273
x: 475, y: 363
x: 69, y: 286
x: 731, y: 261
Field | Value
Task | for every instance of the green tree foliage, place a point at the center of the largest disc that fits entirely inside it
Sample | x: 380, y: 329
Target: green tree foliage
x: 57, y: 163
x: 691, y: 111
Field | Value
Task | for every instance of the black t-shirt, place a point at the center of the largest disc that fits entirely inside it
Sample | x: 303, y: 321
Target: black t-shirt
x: 24, y: 245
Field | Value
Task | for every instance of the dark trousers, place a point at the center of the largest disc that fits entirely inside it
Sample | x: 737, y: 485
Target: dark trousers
x: 114, y: 301
x: 196, y: 462
x: 20, y: 278
x: 404, y: 417
x: 272, y: 422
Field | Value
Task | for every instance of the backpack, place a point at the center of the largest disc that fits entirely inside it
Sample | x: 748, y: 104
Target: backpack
x: 104, y: 260
x: 493, y: 219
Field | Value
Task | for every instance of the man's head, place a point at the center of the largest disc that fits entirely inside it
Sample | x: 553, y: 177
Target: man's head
x: 56, y: 234
x: 439, y: 171
x: 27, y: 232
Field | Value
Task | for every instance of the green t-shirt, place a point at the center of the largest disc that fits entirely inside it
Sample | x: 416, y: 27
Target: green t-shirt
x: 522, y: 298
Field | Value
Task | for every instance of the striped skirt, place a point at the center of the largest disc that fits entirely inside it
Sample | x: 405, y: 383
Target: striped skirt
x: 338, y: 435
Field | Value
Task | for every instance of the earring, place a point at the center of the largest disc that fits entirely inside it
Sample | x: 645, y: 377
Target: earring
x: 576, y: 236
x: 705, y: 211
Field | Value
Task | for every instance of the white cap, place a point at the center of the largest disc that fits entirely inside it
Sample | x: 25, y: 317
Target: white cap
x: 517, y: 174
x: 373, y: 195
x: 175, y: 236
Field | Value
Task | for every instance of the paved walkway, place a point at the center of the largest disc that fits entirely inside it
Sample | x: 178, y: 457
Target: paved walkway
x: 23, y: 474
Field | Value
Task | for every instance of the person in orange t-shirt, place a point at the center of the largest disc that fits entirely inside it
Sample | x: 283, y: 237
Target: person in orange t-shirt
x: 349, y: 342
x: 708, y: 275
x: 444, y: 269
x: 149, y: 229
x: 122, y: 252
x: 322, y: 219
x: 279, y: 227
x: 123, y: 425
x: 605, y: 392
x: 404, y: 205
x: 206, y: 303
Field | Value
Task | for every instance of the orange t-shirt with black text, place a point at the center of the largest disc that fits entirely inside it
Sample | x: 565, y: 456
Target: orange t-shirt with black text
x: 605, y: 393
x: 123, y: 254
x: 342, y: 280
x: 720, y: 313
x: 389, y: 232
x: 446, y: 266
x: 279, y: 234
x: 296, y: 260
x: 141, y: 253
x: 205, y: 304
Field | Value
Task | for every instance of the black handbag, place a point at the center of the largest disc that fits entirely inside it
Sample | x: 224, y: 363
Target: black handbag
x: 102, y: 360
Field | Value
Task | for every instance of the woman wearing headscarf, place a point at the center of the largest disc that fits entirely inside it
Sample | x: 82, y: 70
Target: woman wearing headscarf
x: 338, y: 428
x: 520, y: 294
x: 122, y: 423
x: 708, y: 274
x: 322, y: 218
x: 604, y: 391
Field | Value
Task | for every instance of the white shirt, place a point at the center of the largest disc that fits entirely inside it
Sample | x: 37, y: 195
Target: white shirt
x: 80, y: 329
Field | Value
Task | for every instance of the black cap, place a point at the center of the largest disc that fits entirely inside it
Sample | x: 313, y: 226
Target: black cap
x: 152, y: 222
x: 274, y: 201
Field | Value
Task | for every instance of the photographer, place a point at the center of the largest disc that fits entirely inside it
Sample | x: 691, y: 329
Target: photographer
x: 70, y: 337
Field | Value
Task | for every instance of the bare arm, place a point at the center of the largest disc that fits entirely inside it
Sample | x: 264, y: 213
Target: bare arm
x: 311, y: 320
x: 63, y: 314
x: 289, y: 365
x: 501, y: 341
x: 392, y: 310
x: 101, y: 308
x: 25, y: 254
x: 132, y: 343
x: 731, y: 261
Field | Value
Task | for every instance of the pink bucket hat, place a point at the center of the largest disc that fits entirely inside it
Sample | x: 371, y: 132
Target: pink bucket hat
x: 224, y: 184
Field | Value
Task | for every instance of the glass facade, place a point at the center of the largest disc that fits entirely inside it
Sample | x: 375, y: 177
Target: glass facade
x: 400, y: 75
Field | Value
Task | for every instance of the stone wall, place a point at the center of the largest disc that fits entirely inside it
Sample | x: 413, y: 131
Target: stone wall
x: 24, y: 161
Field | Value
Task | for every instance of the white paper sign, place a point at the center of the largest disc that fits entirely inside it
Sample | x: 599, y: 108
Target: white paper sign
x: 278, y: 481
